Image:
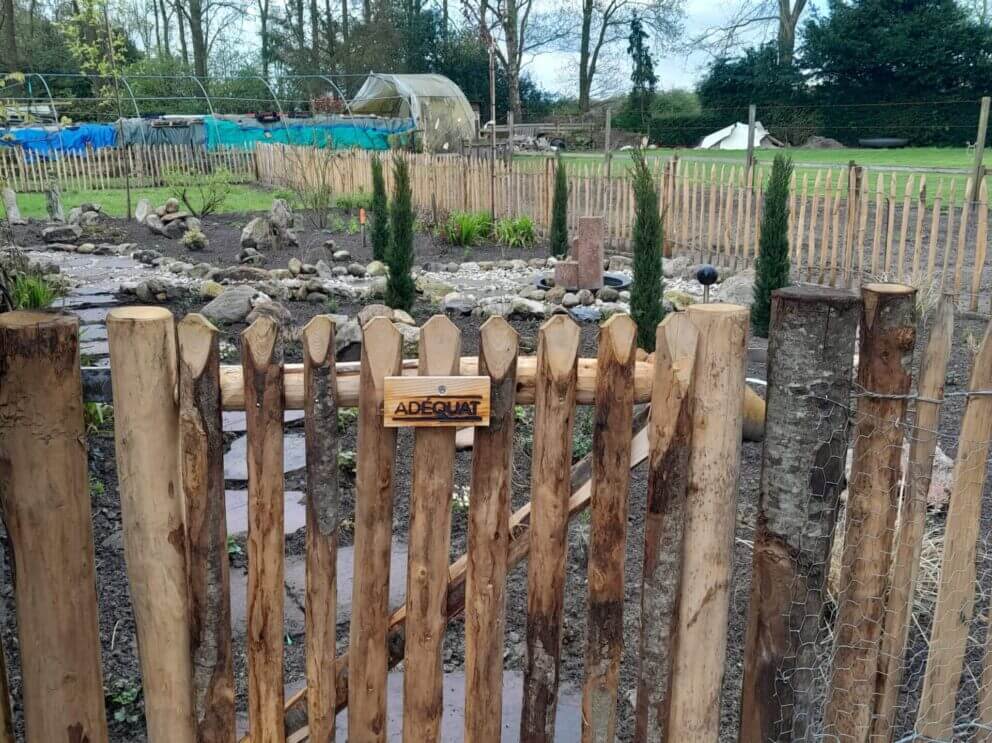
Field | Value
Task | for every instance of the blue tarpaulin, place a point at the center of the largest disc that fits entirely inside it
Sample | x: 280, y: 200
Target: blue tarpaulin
x: 368, y: 133
x: 49, y: 141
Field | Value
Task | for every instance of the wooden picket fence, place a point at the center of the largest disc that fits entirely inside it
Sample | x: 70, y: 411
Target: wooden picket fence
x: 169, y: 392
x: 918, y: 228
x: 105, y: 168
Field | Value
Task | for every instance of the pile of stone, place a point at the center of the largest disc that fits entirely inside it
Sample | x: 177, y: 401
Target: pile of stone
x: 272, y: 232
x: 168, y: 220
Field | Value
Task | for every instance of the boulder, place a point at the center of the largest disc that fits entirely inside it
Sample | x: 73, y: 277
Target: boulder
x: 211, y: 289
x: 555, y: 294
x: 74, y: 215
x: 155, y: 224
x: 377, y: 287
x: 232, y: 306
x: 432, y: 289
x: 608, y: 294
x: 672, y: 267
x: 403, y: 317
x: 346, y: 333
x: 86, y: 248
x: 323, y: 270
x: 142, y: 210
x: 620, y: 263
x: 62, y: 233
x: 679, y: 299
x: 251, y: 257
x: 527, y: 308
x: 10, y: 205
x: 174, y: 229
x: 274, y: 311
x: 586, y: 297
x: 738, y: 289
x: 172, y: 216
x: 370, y: 311
x: 295, y: 264
x: 356, y: 269
x: 411, y: 337
x: 340, y: 256
x: 376, y: 268
x: 241, y: 273
x: 171, y: 205
x: 459, y: 303
x: 258, y: 234
x: 280, y: 215
x: 88, y: 219
x: 569, y: 300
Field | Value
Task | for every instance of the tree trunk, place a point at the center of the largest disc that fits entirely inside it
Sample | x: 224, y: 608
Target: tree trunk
x: 9, y: 35
x: 166, y: 33
x: 182, y: 35
x: 344, y: 19
x: 585, y: 79
x: 199, y: 39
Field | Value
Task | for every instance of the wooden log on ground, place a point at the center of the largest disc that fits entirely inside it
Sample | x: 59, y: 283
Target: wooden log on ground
x: 146, y: 429
x: 668, y: 468
x: 489, y: 538
x: 323, y: 516
x: 912, y: 520
x: 202, y: 453
x: 956, y: 589
x: 46, y: 511
x: 261, y: 357
x: 711, y: 515
x: 887, y: 338
x: 369, y: 660
x: 810, y: 359
x: 557, y: 353
x: 608, y: 528
x: 429, y: 541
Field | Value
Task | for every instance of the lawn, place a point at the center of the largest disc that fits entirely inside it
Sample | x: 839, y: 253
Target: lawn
x: 242, y: 198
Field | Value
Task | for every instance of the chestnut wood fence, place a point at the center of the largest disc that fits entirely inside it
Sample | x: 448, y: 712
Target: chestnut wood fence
x: 170, y: 390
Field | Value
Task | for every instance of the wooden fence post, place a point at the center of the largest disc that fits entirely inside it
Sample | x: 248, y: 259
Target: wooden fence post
x: 956, y: 591
x: 146, y: 429
x: 46, y: 509
x: 557, y: 357
x: 670, y: 435
x: 711, y: 515
x: 261, y: 360
x: 608, y: 531
x: 887, y: 338
x: 912, y: 516
x: 202, y: 440
x: 810, y: 358
x: 489, y: 538
x: 321, y: 424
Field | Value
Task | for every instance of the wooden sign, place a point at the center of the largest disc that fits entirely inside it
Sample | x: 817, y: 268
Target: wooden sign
x: 435, y: 402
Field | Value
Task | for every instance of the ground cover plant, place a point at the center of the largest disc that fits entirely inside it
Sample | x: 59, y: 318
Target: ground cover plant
x: 515, y: 232
x: 467, y: 228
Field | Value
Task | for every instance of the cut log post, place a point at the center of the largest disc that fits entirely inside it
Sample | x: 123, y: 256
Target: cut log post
x: 956, y: 589
x: 557, y: 353
x: 608, y: 528
x: 710, y: 518
x: 429, y: 541
x: 369, y: 657
x: 489, y: 538
x: 53, y: 202
x: 10, y: 205
x: 202, y: 446
x: 912, y: 518
x: 887, y: 338
x: 261, y: 357
x: 810, y: 359
x: 323, y: 516
x: 146, y: 429
x: 46, y: 510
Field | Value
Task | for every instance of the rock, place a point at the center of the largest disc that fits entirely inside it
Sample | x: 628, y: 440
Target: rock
x: 376, y: 268
x: 62, y: 233
x: 608, y: 294
x: 941, y: 480
x: 201, y: 271
x: 251, y: 257
x: 74, y: 215
x: 323, y: 270
x: 459, y: 303
x: 679, y: 299
x: 451, y: 267
x: 586, y: 297
x: 315, y: 297
x: 174, y: 230
x: 86, y: 248
x: 377, y: 288
x: 672, y: 267
x: 371, y: 311
x: 346, y: 333
x: 147, y: 256
x: 339, y: 256
x: 233, y: 305
x: 495, y: 307
x: 569, y: 300
x: 555, y: 294
x: 10, y: 205
x: 241, y: 273
x: 538, y: 295
x: 527, y: 308
x: 432, y: 289
x: 154, y: 223
x: 88, y: 219
x: 171, y: 205
x: 280, y: 214
x: 738, y: 289
x: 411, y: 337
x: 295, y: 264
x: 620, y: 263
x: 211, y: 289
x: 357, y: 270
x: 470, y: 267
x: 258, y: 234
x: 142, y: 210
x: 308, y: 269
x: 274, y: 311
x: 403, y: 317
x: 339, y: 271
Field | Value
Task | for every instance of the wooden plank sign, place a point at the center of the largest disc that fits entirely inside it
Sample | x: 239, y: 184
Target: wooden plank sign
x: 431, y: 402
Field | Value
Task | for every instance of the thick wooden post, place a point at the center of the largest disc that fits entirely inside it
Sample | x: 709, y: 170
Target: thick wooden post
x: 368, y: 666
x: 711, y: 514
x: 146, y: 429
x: 557, y: 354
x: 202, y: 441
x: 670, y: 436
x: 810, y: 358
x: 887, y: 338
x: 912, y: 518
x: 952, y: 615
x: 46, y: 510
x: 261, y: 359
x: 323, y: 515
x: 608, y: 532
x: 489, y: 538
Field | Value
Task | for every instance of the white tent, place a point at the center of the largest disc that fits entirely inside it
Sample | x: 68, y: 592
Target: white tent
x: 734, y: 137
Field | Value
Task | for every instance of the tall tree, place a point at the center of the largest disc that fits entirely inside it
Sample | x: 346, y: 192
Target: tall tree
x: 751, y: 22
x: 8, y: 35
x: 772, y: 268
x: 647, y: 288
x: 642, y: 75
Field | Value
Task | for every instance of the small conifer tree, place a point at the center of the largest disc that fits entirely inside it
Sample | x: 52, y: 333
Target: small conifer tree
x: 772, y: 267
x: 379, y: 212
x: 400, y: 288
x: 558, y: 234
x: 647, y: 289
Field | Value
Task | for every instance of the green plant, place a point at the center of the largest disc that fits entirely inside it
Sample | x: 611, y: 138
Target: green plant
x: 558, y: 232
x: 515, y: 232
x: 467, y: 228
x: 582, y: 431
x: 346, y: 416
x: 233, y: 547
x: 96, y: 487
x: 461, y: 498
x: 353, y: 201
x: 379, y: 213
x: 647, y: 288
x: 772, y: 268
x: 347, y: 461
x: 202, y: 194
x: 32, y: 292
x: 316, y: 169
x: 400, y: 287
x: 125, y: 700
x: 353, y: 226
x: 97, y: 415
x: 331, y: 304
x: 336, y: 224
x: 194, y: 239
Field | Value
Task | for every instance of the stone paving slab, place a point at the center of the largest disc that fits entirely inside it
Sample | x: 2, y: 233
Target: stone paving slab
x: 294, y: 511
x: 236, y: 462
x: 234, y: 421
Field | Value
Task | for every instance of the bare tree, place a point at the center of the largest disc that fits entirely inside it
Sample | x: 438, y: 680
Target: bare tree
x: 207, y: 20
x: 756, y: 18
x: 8, y: 37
